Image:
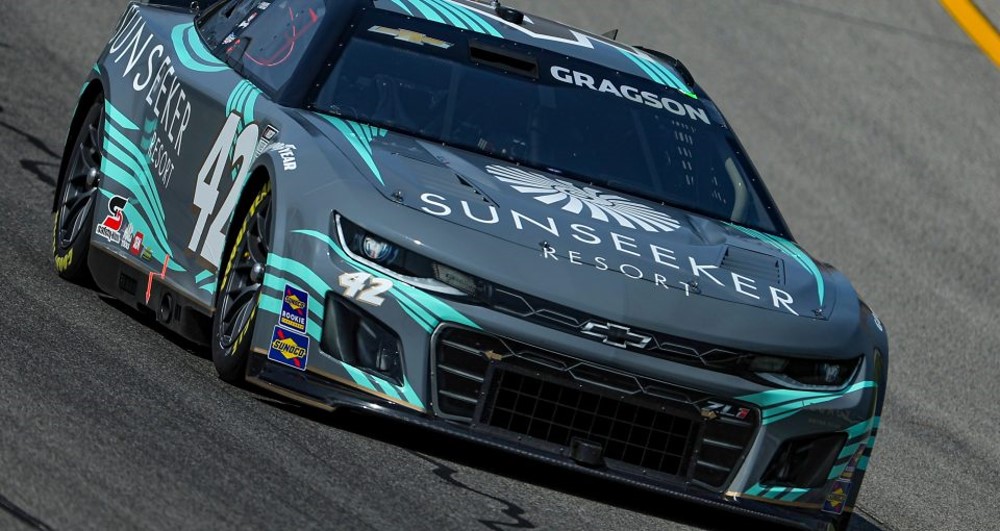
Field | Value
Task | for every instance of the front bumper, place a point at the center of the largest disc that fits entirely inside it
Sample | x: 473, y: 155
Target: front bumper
x: 672, y: 428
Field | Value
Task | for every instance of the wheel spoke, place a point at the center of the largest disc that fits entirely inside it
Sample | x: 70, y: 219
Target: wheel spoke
x: 239, y: 300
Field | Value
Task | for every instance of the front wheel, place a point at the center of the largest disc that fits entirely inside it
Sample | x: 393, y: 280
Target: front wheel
x: 76, y: 195
x: 239, y: 288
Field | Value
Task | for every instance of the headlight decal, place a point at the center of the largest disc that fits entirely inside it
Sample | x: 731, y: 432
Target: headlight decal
x: 403, y: 292
x: 779, y: 404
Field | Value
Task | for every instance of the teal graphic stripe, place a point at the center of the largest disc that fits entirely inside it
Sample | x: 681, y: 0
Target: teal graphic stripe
x: 127, y: 165
x: 779, y: 404
x: 469, y: 18
x: 403, y: 6
x: 452, y: 14
x: 401, y: 290
x: 201, y: 277
x: 791, y: 250
x: 793, y: 494
x: 136, y: 179
x: 272, y: 305
x: 191, y: 52
x: 360, y: 136
x: 243, y: 100
x: 132, y: 157
x: 96, y: 68
x: 657, y: 72
x: 116, y: 116
x: 159, y: 254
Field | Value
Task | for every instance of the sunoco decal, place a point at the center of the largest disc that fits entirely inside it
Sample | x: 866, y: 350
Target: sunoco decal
x: 289, y: 348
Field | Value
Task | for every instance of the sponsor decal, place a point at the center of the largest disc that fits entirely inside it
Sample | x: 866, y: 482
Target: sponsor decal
x: 289, y: 348
x: 146, y: 255
x: 294, y: 308
x: 136, y: 247
x: 287, y: 154
x: 266, y: 139
x: 110, y: 228
x: 127, y: 234
x: 837, y: 499
x: 619, y: 251
x: 642, y: 97
x: 410, y: 36
x: 584, y: 201
x: 151, y: 71
x: 713, y: 410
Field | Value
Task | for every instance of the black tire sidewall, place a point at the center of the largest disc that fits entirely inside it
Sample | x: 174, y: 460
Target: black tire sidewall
x: 71, y: 260
x: 231, y: 363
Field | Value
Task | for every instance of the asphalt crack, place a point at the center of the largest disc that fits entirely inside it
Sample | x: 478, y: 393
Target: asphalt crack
x: 22, y: 515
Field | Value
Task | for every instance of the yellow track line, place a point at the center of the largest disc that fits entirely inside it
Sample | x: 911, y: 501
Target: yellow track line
x: 979, y: 28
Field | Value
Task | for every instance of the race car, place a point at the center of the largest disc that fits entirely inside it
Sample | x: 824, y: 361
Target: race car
x: 480, y: 221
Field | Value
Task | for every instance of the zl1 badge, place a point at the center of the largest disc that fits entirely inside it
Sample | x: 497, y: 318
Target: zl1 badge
x: 294, y: 308
x: 289, y: 348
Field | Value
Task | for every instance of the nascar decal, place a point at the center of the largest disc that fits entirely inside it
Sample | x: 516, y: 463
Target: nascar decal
x: 600, y: 206
x: 110, y: 228
x: 233, y: 152
x: 294, y: 308
x: 289, y: 348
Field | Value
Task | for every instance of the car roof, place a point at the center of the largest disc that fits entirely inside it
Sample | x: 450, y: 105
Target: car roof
x: 481, y: 17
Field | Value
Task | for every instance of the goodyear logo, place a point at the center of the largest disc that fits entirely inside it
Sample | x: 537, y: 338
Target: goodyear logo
x: 289, y: 348
x: 294, y: 308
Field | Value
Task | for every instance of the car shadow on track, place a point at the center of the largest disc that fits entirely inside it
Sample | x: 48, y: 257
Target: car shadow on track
x: 442, y: 450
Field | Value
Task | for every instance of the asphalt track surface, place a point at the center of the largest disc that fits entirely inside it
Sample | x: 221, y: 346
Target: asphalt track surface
x: 874, y: 123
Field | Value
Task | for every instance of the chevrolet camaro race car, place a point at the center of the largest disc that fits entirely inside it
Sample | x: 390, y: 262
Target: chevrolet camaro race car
x: 476, y: 220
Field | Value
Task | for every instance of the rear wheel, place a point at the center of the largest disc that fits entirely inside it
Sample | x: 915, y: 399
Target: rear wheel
x: 239, y: 288
x: 76, y: 195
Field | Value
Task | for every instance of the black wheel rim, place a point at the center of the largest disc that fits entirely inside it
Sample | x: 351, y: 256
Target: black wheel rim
x: 79, y: 188
x: 244, y: 278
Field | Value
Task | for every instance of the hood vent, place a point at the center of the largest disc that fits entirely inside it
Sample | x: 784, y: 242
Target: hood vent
x: 754, y: 265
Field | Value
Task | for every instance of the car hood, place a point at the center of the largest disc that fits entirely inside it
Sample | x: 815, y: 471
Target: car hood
x: 622, y: 240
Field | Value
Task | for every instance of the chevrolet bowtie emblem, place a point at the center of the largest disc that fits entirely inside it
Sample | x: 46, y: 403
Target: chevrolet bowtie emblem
x: 410, y: 36
x: 616, y: 335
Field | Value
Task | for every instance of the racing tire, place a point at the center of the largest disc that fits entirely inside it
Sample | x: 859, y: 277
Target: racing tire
x: 76, y: 194
x: 239, y: 287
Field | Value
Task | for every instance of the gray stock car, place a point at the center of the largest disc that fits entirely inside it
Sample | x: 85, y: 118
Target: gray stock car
x: 479, y: 221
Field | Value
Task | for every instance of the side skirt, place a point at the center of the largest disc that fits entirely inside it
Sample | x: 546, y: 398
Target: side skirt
x: 150, y: 293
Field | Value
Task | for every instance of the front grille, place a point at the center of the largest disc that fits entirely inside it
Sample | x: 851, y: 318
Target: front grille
x: 550, y: 400
x: 558, y: 414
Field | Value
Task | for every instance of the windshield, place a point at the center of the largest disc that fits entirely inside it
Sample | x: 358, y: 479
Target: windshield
x: 569, y: 117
